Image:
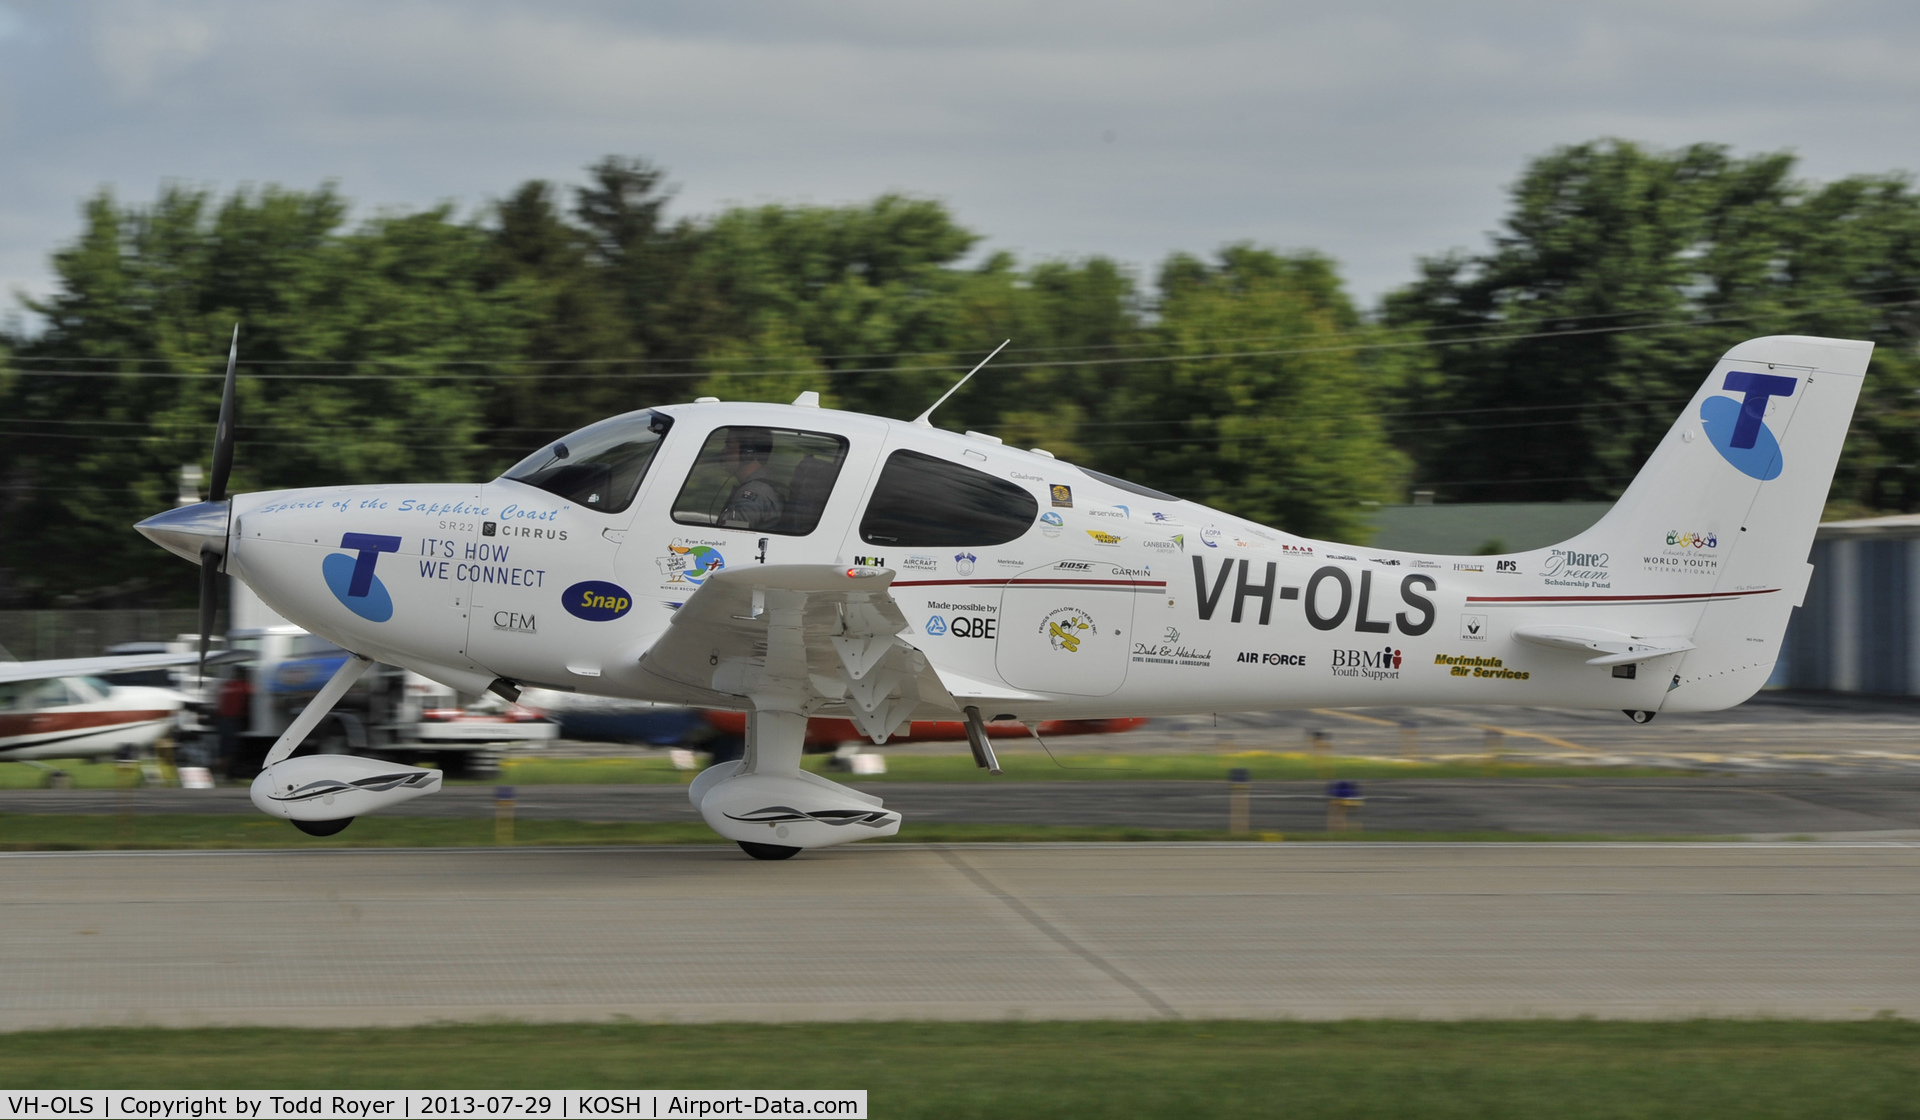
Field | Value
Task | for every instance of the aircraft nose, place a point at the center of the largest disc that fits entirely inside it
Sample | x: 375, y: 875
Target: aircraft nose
x: 189, y: 530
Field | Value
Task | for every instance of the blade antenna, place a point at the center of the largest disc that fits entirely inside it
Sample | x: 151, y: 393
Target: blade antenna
x: 922, y: 418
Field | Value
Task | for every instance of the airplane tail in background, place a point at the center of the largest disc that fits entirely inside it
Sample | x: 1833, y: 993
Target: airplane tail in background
x: 1719, y: 522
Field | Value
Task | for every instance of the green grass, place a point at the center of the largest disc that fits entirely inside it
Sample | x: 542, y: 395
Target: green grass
x: 1567, y: 1070
x: 39, y: 832
x: 1263, y: 766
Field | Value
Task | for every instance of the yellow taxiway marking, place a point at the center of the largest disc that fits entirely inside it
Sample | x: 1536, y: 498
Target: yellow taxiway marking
x: 1561, y: 743
x: 1352, y: 715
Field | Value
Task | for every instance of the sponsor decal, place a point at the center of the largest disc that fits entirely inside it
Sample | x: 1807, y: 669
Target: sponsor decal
x: 1131, y: 571
x: 1378, y: 560
x: 1373, y: 664
x: 1212, y: 594
x: 1107, y: 512
x: 1473, y: 627
x: 1570, y: 568
x: 1422, y: 564
x: 1053, y: 519
x: 963, y: 626
x: 973, y: 608
x: 1024, y: 477
x: 1507, y: 567
x: 1469, y: 567
x: 1181, y: 540
x: 965, y: 562
x: 1067, y: 628
x: 921, y: 563
x: 1162, y: 546
x: 514, y: 622
x: 691, y: 562
x: 489, y: 528
x: 1340, y: 556
x: 1062, y: 495
x: 1169, y: 651
x: 1255, y: 657
x: 477, y: 562
x: 1686, y: 553
x: 1297, y: 549
x: 1738, y: 429
x: 352, y: 579
x: 1015, y: 564
x: 596, y: 600
x: 869, y: 561
x: 1104, y: 538
x: 1159, y: 517
x: 1487, y: 668
x: 1210, y: 536
x: 1074, y: 566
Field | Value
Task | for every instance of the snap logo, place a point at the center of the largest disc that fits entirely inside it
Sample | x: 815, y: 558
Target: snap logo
x: 1738, y: 429
x: 596, y: 600
x: 351, y: 578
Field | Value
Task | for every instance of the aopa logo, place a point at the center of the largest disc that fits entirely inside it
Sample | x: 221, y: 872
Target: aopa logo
x: 596, y: 600
x: 351, y: 578
x: 1738, y: 430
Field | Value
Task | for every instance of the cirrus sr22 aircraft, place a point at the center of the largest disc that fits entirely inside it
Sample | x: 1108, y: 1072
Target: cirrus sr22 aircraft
x: 790, y: 561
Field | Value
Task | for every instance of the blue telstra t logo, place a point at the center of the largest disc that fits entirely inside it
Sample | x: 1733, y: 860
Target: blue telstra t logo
x: 1738, y: 430
x: 351, y: 578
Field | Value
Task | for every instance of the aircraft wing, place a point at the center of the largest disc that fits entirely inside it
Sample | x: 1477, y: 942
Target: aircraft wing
x: 11, y: 671
x: 812, y: 638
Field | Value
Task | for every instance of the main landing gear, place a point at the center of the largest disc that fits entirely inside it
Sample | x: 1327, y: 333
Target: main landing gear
x: 323, y: 828
x: 1639, y: 717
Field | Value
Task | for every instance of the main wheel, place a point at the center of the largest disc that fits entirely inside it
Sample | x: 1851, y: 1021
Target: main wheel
x: 768, y: 851
x: 323, y: 828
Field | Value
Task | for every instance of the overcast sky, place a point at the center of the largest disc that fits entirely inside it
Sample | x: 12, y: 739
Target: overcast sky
x: 1375, y: 132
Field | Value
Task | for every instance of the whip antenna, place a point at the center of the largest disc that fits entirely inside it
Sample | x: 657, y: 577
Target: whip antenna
x: 922, y: 418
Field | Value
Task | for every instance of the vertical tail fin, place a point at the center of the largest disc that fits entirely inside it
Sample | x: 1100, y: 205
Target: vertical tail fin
x: 1721, y: 519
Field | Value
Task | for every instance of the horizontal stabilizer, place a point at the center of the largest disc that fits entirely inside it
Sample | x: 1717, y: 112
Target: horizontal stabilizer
x: 1613, y: 647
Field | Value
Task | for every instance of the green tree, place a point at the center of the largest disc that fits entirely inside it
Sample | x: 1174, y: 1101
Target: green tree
x: 1287, y: 437
x: 362, y: 351
x: 1621, y: 275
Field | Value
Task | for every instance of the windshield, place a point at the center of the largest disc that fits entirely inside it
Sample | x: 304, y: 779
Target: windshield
x: 599, y: 466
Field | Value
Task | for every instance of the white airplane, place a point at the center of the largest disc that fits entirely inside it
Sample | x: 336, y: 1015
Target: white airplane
x: 66, y: 708
x: 791, y: 561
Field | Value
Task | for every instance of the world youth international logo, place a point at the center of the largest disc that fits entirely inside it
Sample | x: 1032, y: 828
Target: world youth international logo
x: 1738, y: 430
x: 351, y: 578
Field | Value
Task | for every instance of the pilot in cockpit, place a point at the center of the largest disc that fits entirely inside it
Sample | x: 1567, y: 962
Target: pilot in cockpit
x: 754, y: 502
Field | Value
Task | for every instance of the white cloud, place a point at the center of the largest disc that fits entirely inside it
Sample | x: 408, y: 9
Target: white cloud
x: 1375, y: 132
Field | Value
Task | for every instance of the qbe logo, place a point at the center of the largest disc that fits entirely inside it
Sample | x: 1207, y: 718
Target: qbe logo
x: 963, y: 626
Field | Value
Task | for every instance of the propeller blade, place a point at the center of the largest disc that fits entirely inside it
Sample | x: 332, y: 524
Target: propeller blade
x: 223, y: 434
x: 209, y: 602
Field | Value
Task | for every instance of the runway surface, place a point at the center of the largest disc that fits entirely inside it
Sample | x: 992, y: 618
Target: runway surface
x: 1773, y: 806
x: 980, y: 932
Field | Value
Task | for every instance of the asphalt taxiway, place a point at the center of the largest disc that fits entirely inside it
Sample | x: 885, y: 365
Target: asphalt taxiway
x: 345, y: 938
x: 1754, y: 806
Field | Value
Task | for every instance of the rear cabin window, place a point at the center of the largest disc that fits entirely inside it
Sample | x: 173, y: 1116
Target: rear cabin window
x: 924, y: 502
x: 769, y: 480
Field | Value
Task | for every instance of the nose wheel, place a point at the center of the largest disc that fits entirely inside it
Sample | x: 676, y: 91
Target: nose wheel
x: 762, y: 851
x: 325, y: 828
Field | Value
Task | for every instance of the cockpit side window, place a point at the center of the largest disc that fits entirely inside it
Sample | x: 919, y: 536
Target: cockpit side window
x: 769, y: 480
x: 924, y: 502
x: 601, y: 465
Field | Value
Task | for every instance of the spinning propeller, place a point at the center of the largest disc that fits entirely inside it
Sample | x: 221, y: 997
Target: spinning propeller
x: 210, y: 556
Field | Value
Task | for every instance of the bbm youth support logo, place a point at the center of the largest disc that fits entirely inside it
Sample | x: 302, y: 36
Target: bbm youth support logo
x: 1738, y: 429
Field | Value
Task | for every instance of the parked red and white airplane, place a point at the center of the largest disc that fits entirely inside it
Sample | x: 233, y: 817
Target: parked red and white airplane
x: 68, y: 709
x: 790, y: 561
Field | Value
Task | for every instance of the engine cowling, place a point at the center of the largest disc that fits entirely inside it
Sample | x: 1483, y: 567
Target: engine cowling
x: 326, y: 787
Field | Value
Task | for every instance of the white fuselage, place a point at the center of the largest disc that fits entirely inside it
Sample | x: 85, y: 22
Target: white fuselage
x: 1111, y: 603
